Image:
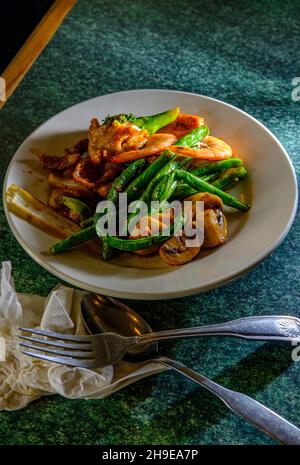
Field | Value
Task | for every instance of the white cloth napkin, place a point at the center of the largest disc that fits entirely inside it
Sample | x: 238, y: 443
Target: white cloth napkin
x: 23, y: 378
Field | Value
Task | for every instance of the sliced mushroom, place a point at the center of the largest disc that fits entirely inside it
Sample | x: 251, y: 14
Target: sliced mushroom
x: 210, y: 200
x: 145, y: 252
x: 176, y: 252
x: 215, y: 228
x: 69, y: 185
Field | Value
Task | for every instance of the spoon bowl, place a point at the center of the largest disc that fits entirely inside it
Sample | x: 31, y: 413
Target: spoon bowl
x: 102, y: 314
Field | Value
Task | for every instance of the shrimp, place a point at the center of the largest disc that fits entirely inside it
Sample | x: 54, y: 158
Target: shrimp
x: 155, y: 144
x: 211, y: 148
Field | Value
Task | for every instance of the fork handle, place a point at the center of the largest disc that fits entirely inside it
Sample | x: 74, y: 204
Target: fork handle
x: 260, y: 416
x: 262, y: 328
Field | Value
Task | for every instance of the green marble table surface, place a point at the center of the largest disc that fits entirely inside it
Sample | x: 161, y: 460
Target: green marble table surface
x: 245, y: 53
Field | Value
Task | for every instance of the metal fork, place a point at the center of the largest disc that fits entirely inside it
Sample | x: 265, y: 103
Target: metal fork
x: 95, y: 351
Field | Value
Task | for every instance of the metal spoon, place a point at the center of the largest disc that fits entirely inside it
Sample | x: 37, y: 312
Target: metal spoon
x: 114, y: 316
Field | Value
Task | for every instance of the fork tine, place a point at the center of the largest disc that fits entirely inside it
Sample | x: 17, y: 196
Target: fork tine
x: 63, y: 360
x: 65, y: 353
x: 64, y: 337
x: 64, y: 345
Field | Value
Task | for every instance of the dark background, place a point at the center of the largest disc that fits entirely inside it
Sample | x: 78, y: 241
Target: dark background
x: 20, y: 17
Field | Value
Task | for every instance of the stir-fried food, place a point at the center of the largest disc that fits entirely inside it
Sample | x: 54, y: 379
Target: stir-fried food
x: 155, y: 144
x: 113, y: 138
x: 166, y: 157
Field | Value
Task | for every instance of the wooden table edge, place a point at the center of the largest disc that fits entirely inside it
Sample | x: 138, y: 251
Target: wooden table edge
x: 34, y: 45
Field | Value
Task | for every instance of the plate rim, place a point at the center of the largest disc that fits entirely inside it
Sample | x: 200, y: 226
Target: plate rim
x: 158, y: 295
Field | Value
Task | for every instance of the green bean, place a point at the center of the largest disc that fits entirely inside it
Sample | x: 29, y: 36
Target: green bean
x: 210, y: 167
x: 130, y: 245
x: 106, y: 250
x: 117, y: 186
x: 88, y: 222
x: 182, y: 191
x: 133, y: 190
x: 185, y: 190
x: 73, y: 240
x: 146, y: 176
x: 165, y: 188
x: 203, y: 186
x: 175, y: 163
x: 230, y: 178
x: 121, y: 181
x: 158, y: 170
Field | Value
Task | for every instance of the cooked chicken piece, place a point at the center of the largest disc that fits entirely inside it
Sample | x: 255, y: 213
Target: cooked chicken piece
x: 86, y: 173
x: 96, y: 177
x: 60, y: 162
x: 68, y: 173
x: 113, y: 138
x: 175, y: 251
x: 210, y: 200
x: 67, y: 160
x: 215, y: 228
x: 103, y: 189
x: 110, y: 172
x: 82, y: 145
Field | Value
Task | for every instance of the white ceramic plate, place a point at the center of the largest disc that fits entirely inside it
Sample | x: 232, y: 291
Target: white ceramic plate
x: 252, y: 237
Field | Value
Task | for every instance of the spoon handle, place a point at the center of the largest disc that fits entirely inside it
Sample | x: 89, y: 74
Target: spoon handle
x: 263, y: 328
x: 257, y: 414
